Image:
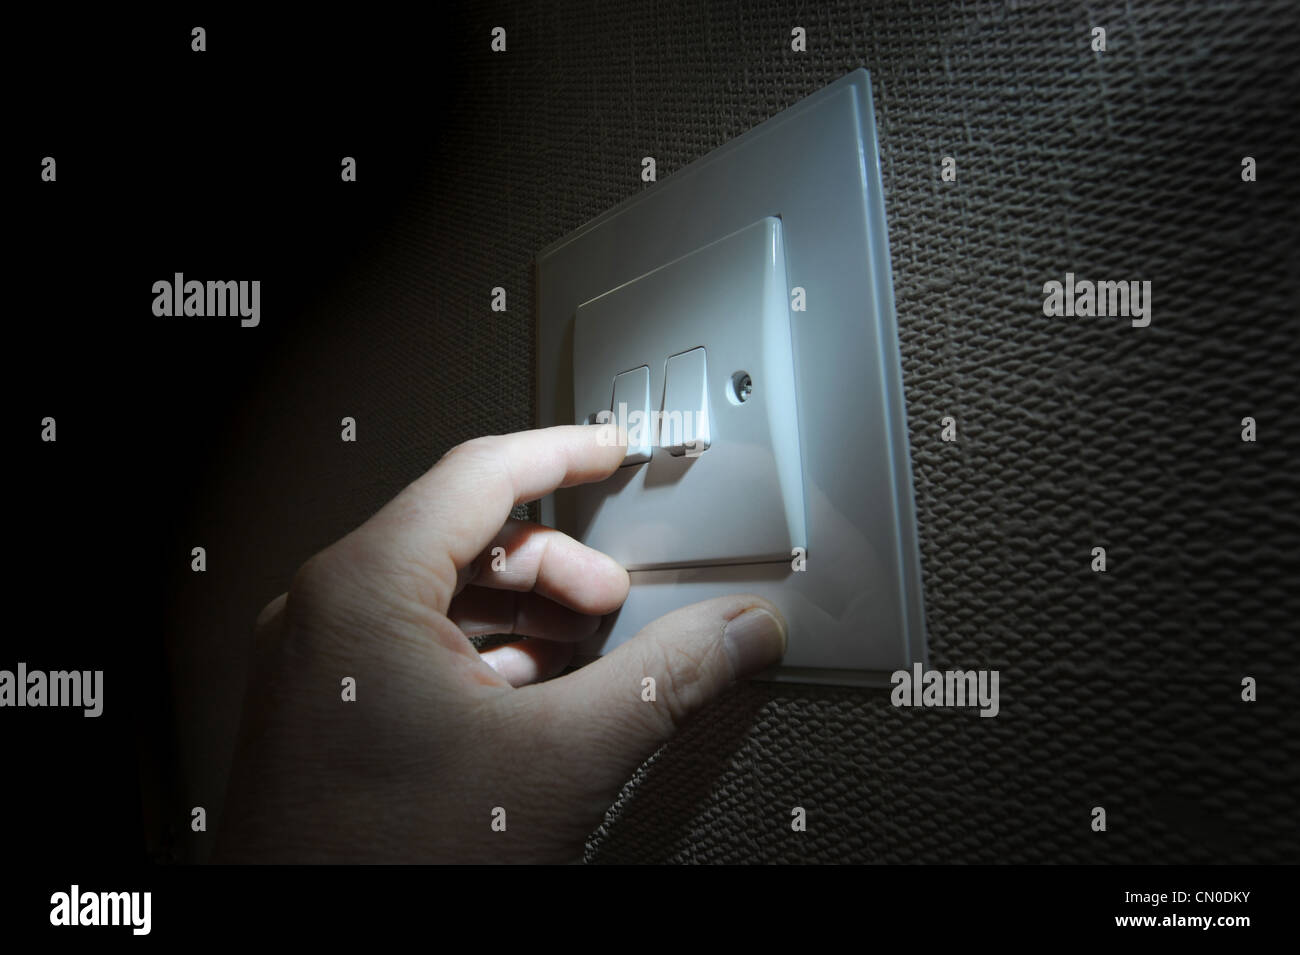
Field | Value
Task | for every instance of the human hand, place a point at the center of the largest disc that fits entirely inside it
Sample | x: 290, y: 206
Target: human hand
x: 440, y: 737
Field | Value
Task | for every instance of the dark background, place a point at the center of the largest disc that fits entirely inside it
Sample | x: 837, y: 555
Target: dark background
x: 1121, y: 690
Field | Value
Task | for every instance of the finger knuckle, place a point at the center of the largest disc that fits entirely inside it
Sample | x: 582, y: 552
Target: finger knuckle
x: 683, y: 682
x: 474, y: 448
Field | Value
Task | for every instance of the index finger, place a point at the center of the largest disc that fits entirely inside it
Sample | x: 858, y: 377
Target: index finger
x: 444, y: 519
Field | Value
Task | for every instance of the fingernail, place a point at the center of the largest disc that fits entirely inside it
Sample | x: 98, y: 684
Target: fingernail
x: 754, y: 641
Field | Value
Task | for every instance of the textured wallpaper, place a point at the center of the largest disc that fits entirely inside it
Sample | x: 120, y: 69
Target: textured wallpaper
x: 1119, y: 689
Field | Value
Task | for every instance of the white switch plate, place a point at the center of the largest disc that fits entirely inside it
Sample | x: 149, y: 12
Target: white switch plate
x: 810, y: 178
x: 716, y: 313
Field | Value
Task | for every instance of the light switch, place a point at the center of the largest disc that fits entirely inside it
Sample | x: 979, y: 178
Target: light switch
x: 703, y: 324
x: 765, y: 264
x: 684, y: 424
x: 631, y: 413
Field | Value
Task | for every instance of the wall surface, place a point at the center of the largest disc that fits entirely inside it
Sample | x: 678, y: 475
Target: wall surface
x: 1119, y: 689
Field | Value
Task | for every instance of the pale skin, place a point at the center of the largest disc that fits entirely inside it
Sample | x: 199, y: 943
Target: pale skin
x: 441, y: 735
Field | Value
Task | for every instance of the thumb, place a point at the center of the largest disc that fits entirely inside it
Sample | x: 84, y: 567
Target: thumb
x: 692, y: 655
